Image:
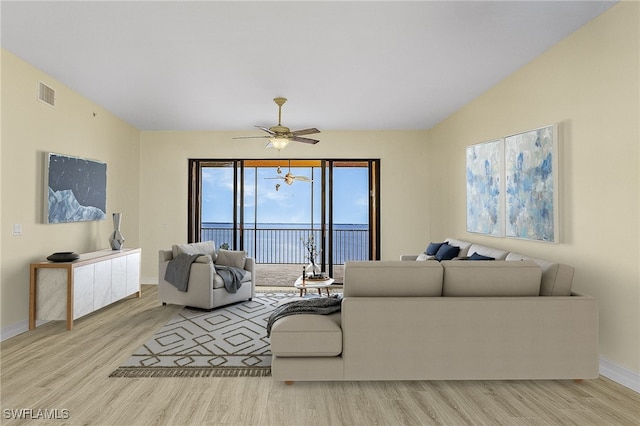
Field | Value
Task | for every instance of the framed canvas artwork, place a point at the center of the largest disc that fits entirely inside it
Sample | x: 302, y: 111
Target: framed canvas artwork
x: 75, y: 189
x: 531, y: 178
x: 485, y: 210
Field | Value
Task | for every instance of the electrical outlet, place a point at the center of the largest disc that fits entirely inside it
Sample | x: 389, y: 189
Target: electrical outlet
x: 17, y: 230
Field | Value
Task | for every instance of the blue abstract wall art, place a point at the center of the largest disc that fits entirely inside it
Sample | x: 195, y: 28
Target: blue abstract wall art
x: 75, y: 189
x: 531, y: 185
x: 512, y: 186
x: 484, y: 192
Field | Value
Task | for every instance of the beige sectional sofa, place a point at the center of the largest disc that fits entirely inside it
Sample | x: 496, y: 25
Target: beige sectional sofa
x: 412, y: 320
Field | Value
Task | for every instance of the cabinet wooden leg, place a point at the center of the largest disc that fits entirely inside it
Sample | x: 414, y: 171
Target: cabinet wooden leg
x: 577, y: 380
x: 288, y: 382
x: 32, y: 299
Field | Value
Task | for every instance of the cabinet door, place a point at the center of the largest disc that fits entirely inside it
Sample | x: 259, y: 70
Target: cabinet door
x: 118, y: 278
x: 102, y: 284
x: 83, y: 290
x: 133, y: 273
x: 51, y: 302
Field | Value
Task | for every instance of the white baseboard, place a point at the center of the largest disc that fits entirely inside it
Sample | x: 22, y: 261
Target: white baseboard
x: 17, y: 328
x: 149, y: 280
x: 620, y: 374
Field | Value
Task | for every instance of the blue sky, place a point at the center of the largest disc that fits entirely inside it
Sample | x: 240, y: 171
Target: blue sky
x: 288, y: 204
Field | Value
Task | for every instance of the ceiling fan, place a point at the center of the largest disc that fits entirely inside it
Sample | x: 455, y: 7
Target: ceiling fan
x: 279, y: 136
x: 289, y: 178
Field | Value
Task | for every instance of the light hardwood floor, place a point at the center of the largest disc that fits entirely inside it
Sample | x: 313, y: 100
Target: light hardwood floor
x: 53, y: 369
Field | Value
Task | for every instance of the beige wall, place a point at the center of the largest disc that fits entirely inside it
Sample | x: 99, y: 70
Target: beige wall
x: 589, y: 85
x: 30, y: 128
x: 163, y: 181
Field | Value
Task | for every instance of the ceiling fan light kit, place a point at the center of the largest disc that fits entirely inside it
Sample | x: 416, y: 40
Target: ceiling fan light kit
x: 278, y: 142
x: 280, y: 136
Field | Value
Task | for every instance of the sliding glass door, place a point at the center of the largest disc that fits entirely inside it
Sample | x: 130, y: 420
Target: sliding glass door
x: 352, y: 212
x: 269, y: 207
x: 213, y: 189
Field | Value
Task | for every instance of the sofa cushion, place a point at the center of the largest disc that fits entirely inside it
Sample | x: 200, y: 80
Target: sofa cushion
x: 204, y: 247
x: 218, y: 282
x: 464, y: 246
x: 498, y: 278
x: 307, y: 335
x: 234, y: 258
x: 447, y: 252
x: 487, y: 251
x: 380, y: 278
x: 557, y: 278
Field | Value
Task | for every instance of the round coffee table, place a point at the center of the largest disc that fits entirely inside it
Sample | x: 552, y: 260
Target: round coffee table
x: 310, y: 283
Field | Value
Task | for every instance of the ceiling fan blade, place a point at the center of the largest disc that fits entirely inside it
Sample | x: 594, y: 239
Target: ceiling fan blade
x: 251, y: 137
x: 305, y: 140
x: 275, y: 177
x: 266, y: 129
x: 303, y: 179
x: 305, y: 132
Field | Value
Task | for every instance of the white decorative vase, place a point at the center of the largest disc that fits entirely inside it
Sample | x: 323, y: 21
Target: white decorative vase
x: 116, y: 240
x: 312, y: 269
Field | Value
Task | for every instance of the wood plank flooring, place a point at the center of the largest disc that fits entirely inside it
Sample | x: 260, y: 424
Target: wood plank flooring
x: 51, y: 368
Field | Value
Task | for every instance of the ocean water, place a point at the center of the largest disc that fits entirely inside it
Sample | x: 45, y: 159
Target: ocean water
x: 284, y: 242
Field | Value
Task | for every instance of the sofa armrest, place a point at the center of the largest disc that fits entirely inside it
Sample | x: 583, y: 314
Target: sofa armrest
x: 165, y: 255
x: 250, y: 265
x: 205, y: 258
x: 201, y: 274
x: 408, y: 257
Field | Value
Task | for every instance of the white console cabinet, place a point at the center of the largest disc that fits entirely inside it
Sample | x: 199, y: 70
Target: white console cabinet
x: 70, y: 290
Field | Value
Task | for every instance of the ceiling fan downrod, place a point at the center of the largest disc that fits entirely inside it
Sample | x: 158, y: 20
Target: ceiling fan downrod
x: 279, y: 102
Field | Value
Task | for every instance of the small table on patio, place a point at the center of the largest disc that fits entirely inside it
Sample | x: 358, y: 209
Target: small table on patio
x: 311, y: 283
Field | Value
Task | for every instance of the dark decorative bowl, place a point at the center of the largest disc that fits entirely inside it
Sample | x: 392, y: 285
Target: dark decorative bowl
x: 63, y: 256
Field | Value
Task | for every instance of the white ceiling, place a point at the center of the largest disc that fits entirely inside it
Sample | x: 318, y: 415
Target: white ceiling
x: 211, y: 65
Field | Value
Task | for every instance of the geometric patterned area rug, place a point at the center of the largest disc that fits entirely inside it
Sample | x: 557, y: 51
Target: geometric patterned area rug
x: 230, y: 341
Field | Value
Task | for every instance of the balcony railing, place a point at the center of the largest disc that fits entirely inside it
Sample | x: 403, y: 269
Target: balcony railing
x: 285, y: 245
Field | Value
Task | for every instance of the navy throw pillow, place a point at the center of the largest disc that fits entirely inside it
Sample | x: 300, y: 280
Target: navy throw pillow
x: 433, y: 248
x: 447, y: 252
x: 476, y: 256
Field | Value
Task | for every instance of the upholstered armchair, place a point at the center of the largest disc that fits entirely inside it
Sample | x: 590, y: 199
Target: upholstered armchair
x: 206, y: 287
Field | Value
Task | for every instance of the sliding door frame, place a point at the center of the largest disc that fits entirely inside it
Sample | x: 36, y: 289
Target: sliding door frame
x: 327, y: 167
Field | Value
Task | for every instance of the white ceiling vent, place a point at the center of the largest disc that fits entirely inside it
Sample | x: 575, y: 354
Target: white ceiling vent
x: 46, y: 94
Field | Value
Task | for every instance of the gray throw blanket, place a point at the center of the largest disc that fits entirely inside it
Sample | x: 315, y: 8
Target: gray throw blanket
x: 231, y: 276
x: 319, y: 306
x: 178, y: 270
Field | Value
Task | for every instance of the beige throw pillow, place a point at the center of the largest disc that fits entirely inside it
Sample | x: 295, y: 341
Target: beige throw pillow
x: 205, y: 247
x: 231, y: 258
